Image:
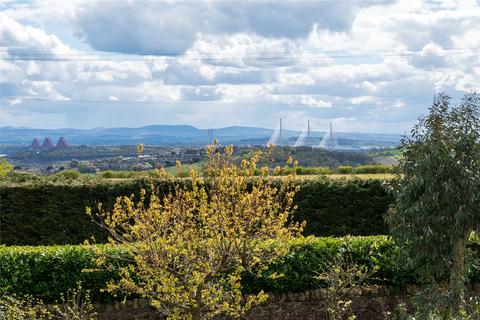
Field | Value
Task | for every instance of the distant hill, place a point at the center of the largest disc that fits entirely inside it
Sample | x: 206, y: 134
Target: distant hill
x: 184, y: 135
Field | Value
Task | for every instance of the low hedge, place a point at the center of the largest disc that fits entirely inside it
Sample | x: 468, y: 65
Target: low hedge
x: 45, y: 272
x: 54, y: 213
x: 367, y: 169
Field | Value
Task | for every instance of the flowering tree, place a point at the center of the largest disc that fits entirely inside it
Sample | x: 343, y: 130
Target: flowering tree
x: 192, y: 245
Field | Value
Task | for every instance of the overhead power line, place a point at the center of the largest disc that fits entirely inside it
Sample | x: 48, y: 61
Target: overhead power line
x: 148, y: 102
x: 232, y: 56
x: 24, y: 51
x: 184, y: 102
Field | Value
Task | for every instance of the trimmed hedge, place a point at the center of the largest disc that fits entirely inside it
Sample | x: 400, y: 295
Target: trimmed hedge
x: 54, y: 213
x: 343, y: 207
x: 367, y: 169
x: 45, y: 272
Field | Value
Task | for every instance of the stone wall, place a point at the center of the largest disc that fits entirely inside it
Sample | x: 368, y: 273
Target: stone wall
x: 369, y: 303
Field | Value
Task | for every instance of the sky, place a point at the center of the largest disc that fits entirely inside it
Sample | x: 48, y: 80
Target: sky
x: 362, y: 65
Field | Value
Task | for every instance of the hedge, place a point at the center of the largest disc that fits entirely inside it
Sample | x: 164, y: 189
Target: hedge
x: 367, y: 169
x: 45, y: 272
x: 343, y: 207
x: 54, y: 213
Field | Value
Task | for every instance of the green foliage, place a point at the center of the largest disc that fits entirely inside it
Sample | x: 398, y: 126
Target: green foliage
x: 438, y: 194
x: 298, y: 170
x: 18, y: 177
x: 192, y: 245
x: 35, y: 211
x: 342, y: 278
x: 345, y: 169
x: 374, y: 168
x: 313, y: 170
x: 397, y: 152
x: 69, y: 175
x: 430, y: 305
x: 314, y: 157
x: 342, y: 207
x: 5, y: 167
x: 109, y: 174
x: 299, y: 270
x: 366, y: 169
x: 75, y: 304
x: 24, y: 308
x: 45, y: 272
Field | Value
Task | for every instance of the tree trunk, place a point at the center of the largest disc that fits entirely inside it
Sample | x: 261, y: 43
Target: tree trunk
x: 457, y: 271
x: 196, y: 313
x: 197, y: 308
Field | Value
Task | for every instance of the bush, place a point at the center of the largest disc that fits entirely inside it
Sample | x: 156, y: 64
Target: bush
x: 54, y: 213
x: 109, y: 174
x: 367, y: 169
x: 45, y: 272
x: 345, y: 169
x: 69, y: 175
x: 5, y: 167
x: 374, y: 168
x: 313, y: 171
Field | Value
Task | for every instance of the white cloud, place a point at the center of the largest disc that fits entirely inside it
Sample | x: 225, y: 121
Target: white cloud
x: 368, y: 67
x: 172, y: 26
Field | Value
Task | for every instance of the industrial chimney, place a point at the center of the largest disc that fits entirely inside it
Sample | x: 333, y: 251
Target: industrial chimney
x: 47, y: 144
x: 35, y: 144
x: 62, y: 143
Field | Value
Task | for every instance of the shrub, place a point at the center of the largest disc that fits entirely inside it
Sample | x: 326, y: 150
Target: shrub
x: 345, y: 169
x: 69, y: 175
x: 313, y: 171
x: 367, y: 169
x: 109, y: 174
x: 5, y: 167
x: 74, y: 305
x: 374, y: 168
x: 192, y: 246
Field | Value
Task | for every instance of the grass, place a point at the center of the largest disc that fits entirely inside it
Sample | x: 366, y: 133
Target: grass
x: 396, y: 153
x: 184, y: 170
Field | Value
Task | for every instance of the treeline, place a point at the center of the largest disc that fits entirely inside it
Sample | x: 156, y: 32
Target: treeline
x: 364, y: 169
x: 312, y: 157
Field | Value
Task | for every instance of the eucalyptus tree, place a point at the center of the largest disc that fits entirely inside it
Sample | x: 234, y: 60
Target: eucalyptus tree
x: 438, y: 193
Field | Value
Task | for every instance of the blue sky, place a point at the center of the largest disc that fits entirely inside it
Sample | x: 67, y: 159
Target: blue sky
x: 364, y: 65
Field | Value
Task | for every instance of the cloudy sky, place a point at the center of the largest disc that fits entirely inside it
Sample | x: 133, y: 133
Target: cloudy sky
x: 364, y: 65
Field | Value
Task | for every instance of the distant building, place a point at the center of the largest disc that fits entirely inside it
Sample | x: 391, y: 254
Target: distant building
x: 35, y: 144
x: 47, y: 144
x: 62, y: 143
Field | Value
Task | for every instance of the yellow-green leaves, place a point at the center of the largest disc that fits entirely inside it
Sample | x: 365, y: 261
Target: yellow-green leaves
x: 192, y: 245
